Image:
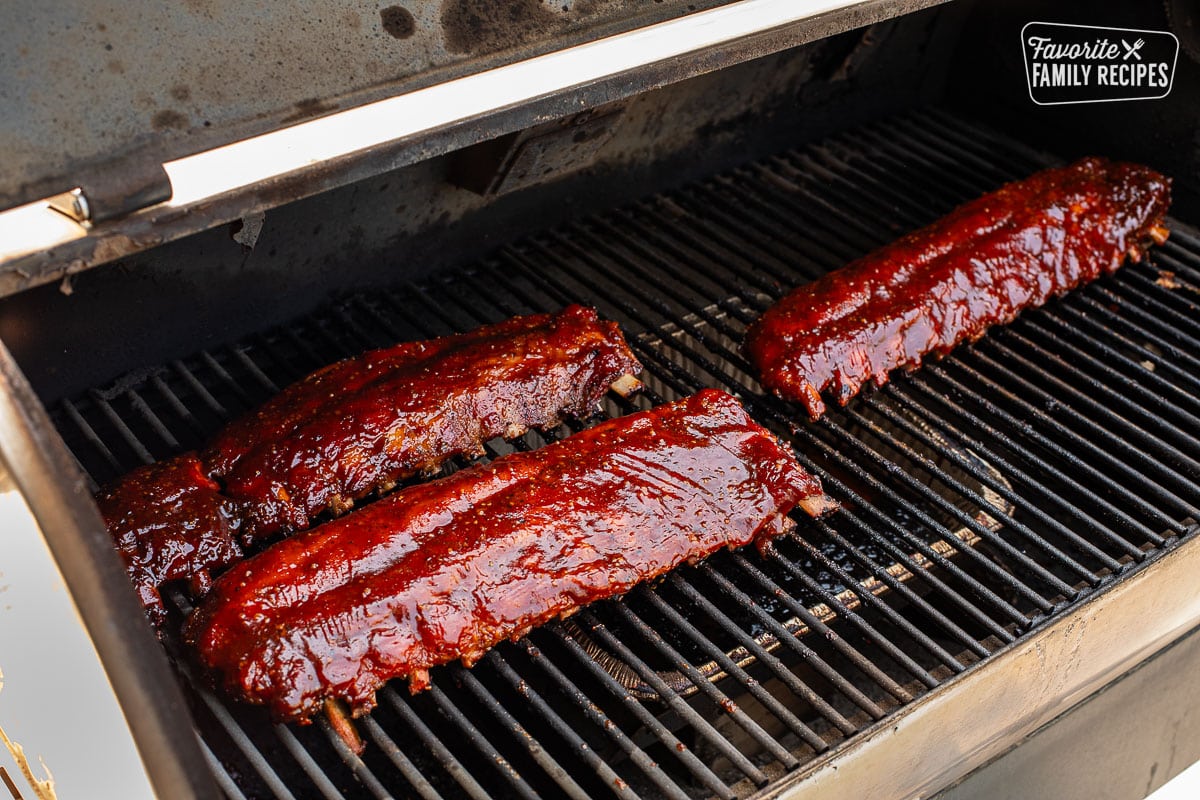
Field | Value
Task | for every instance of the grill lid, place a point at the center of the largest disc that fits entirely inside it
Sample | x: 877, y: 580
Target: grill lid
x: 89, y: 86
x: 278, y: 108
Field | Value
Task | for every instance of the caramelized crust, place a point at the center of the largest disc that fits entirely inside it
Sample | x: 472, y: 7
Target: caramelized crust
x: 170, y: 522
x: 949, y: 282
x: 353, y: 428
x: 447, y: 569
x: 317, y: 448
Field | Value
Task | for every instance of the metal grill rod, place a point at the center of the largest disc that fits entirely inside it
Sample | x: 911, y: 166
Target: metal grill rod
x: 600, y: 632
x: 1149, y: 298
x: 199, y: 389
x: 1103, y: 432
x: 561, y: 778
x: 1089, y: 319
x: 706, y: 687
x: 818, y: 627
x: 902, y: 394
x: 1010, y: 521
x: 1162, y: 388
x: 731, y: 668
x: 234, y: 387
x: 674, y: 746
x: 398, y: 759
x: 131, y: 440
x: 845, y: 612
x: 1130, y: 389
x: 466, y: 782
x: 224, y: 781
x: 307, y: 763
x: 594, y: 713
x: 795, y: 643
x: 1047, y: 578
x: 247, y: 747
x: 516, y: 782
x: 1186, y: 258
x: 973, y: 377
x: 578, y: 745
x: 164, y: 391
x: 777, y: 667
x: 362, y: 772
x: 875, y: 402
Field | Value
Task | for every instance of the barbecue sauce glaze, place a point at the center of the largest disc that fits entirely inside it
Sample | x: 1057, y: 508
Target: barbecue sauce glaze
x: 167, y: 519
x: 448, y: 569
x: 949, y: 282
x: 322, y: 446
x: 353, y: 428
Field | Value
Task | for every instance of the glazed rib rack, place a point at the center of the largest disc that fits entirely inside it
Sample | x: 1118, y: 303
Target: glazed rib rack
x: 983, y: 494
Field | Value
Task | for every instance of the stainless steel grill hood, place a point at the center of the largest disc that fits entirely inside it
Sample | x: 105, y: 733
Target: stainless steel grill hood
x: 151, y: 153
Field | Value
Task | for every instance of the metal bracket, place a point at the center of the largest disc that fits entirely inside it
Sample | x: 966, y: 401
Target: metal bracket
x: 73, y: 204
x: 536, y: 155
x: 116, y: 190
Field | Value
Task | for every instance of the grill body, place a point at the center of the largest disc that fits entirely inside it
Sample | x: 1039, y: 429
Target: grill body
x: 997, y: 503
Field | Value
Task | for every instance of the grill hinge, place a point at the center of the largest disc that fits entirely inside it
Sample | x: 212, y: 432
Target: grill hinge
x: 115, y: 190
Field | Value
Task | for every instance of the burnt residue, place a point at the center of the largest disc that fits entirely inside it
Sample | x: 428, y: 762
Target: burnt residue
x: 168, y: 119
x: 181, y: 93
x: 482, y: 26
x: 398, y: 22
x: 310, y: 107
x: 485, y: 26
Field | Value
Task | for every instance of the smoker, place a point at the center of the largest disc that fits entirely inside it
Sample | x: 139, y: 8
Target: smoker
x: 204, y: 203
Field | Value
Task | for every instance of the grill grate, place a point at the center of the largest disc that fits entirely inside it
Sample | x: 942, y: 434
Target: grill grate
x: 982, y: 494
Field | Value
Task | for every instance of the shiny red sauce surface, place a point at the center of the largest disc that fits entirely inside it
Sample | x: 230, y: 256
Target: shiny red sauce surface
x: 448, y: 569
x: 360, y: 426
x: 353, y: 428
x: 170, y: 522
x: 949, y: 282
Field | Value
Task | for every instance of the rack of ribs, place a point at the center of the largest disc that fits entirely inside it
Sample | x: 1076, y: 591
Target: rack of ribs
x: 981, y: 265
x: 352, y: 429
x: 447, y: 569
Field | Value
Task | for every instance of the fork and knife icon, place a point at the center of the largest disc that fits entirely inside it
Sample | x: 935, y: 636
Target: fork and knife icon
x: 1132, y: 49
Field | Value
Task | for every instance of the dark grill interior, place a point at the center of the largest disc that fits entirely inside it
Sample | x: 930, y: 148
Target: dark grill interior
x: 982, y: 494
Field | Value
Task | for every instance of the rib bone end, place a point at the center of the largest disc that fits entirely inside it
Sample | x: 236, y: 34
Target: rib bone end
x: 342, y: 725
x: 818, y: 505
x: 627, y: 386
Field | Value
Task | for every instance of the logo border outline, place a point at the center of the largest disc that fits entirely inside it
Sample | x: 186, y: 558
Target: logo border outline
x: 1029, y: 82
